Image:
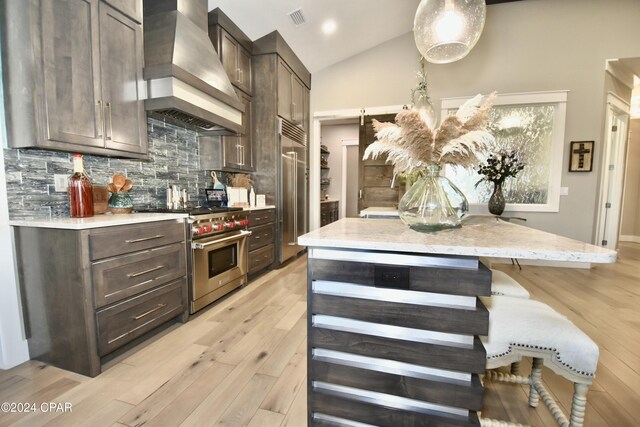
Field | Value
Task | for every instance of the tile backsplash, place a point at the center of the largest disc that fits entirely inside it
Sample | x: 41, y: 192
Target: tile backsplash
x: 173, y: 159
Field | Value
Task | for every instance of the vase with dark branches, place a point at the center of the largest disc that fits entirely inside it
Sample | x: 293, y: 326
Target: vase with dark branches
x: 497, y: 169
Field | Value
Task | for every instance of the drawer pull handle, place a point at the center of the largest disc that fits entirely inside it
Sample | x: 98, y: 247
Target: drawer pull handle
x: 140, y: 273
x: 140, y: 316
x: 159, y: 236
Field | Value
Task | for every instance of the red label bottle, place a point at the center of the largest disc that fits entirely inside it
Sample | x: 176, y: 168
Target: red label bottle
x: 80, y: 190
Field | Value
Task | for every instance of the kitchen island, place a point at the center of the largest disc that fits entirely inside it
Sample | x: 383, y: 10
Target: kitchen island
x: 395, y: 318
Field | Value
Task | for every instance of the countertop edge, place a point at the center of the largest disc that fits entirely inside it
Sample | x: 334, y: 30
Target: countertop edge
x: 462, y: 251
x: 97, y: 221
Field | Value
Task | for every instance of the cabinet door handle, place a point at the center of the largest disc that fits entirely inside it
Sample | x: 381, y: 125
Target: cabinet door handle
x: 146, y: 313
x: 110, y: 136
x: 101, y: 115
x: 144, y: 239
x: 293, y: 112
x: 238, y: 75
x: 241, y: 77
x: 140, y: 273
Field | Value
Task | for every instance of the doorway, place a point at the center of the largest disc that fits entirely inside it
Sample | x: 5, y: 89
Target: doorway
x: 613, y: 164
x: 350, y: 156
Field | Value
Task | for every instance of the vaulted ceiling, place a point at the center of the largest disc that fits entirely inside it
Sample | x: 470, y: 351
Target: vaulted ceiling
x: 361, y: 24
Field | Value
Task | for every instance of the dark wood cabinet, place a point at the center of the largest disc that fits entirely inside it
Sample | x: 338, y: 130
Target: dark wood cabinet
x: 329, y: 212
x: 78, y: 69
x: 262, y: 240
x: 273, y: 61
x: 292, y: 96
x: 92, y: 291
x: 234, y: 49
x: 235, y: 59
x: 231, y: 153
x: 133, y: 9
x: 238, y: 150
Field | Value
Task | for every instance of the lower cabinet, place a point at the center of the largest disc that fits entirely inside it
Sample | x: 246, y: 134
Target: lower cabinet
x: 86, y: 293
x: 329, y: 212
x: 262, y: 249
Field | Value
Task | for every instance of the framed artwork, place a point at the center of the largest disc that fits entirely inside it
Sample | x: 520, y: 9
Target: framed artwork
x: 581, y: 156
x: 533, y: 125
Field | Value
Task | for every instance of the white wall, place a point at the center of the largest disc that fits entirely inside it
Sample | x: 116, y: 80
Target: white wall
x: 332, y: 137
x: 528, y: 46
x: 13, y: 347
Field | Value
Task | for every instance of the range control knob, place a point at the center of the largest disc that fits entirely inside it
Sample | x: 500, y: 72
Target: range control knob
x: 195, y: 230
x: 208, y: 228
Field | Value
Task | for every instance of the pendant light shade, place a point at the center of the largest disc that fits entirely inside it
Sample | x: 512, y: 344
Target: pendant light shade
x: 446, y: 30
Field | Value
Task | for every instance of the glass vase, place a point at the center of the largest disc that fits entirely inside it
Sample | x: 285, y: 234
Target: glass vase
x: 120, y: 202
x: 496, y: 201
x: 433, y: 203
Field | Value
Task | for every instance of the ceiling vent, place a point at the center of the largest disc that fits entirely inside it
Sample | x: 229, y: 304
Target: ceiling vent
x: 297, y: 17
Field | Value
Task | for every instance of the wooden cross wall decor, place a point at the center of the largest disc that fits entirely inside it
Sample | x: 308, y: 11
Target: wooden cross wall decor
x: 581, y: 156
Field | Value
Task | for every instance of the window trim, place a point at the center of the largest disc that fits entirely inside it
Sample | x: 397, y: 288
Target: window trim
x: 559, y: 98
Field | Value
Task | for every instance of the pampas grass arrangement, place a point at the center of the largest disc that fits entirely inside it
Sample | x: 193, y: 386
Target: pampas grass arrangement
x: 410, y: 144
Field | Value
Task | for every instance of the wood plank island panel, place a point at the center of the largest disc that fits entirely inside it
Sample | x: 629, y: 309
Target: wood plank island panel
x: 382, y: 344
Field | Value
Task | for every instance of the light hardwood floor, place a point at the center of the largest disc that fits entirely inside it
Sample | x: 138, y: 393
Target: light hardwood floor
x: 243, y: 361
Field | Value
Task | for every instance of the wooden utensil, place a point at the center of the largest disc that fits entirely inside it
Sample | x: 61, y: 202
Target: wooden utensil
x: 127, y: 185
x: 111, y: 188
x: 118, y: 181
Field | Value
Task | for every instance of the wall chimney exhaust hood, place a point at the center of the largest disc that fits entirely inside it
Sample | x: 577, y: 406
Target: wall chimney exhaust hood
x: 185, y: 79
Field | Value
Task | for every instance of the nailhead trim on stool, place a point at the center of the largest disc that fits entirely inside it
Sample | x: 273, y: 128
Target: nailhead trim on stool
x: 526, y: 328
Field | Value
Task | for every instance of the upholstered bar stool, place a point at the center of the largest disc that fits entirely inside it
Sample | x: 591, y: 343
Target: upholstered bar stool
x: 504, y: 285
x: 526, y: 328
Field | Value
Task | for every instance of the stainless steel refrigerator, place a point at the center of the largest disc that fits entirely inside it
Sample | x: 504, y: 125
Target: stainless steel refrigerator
x: 293, y: 182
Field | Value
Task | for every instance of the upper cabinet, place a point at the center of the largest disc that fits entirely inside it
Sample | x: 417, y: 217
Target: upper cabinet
x: 74, y: 83
x: 231, y: 153
x: 234, y: 50
x: 236, y: 61
x: 290, y: 79
x: 131, y: 8
x: 291, y: 95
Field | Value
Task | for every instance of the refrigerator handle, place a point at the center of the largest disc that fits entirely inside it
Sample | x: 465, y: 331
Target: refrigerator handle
x: 295, y: 200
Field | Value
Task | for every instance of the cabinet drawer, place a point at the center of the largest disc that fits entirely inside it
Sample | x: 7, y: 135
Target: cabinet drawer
x: 261, y: 217
x: 260, y: 236
x: 124, y: 276
x: 125, y: 321
x: 261, y: 258
x: 113, y: 241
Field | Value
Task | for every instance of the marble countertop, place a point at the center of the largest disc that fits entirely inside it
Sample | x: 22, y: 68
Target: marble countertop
x: 259, y: 208
x: 479, y: 236
x: 96, y: 221
x: 379, y: 211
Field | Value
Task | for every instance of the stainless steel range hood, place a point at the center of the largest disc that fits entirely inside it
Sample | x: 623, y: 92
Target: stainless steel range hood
x: 185, y: 79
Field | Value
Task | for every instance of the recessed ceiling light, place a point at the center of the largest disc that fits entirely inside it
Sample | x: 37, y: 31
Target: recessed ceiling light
x: 329, y: 26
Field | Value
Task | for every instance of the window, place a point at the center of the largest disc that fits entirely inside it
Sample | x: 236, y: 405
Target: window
x: 533, y: 125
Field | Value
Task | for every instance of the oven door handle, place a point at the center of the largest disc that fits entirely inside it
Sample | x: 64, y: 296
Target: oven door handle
x: 243, y: 233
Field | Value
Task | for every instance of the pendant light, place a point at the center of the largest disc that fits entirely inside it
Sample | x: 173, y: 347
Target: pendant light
x: 446, y: 30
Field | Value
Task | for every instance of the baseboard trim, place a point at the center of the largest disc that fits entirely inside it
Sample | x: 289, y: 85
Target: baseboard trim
x: 544, y: 263
x: 629, y: 238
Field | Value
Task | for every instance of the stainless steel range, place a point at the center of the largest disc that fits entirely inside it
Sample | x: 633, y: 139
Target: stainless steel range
x: 218, y: 254
x: 218, y: 257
